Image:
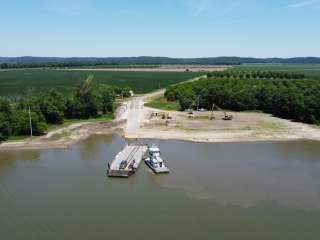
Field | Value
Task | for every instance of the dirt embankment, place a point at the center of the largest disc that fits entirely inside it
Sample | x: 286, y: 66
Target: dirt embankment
x: 244, y: 127
x: 67, y: 136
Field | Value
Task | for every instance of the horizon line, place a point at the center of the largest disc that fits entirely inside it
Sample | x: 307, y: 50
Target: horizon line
x: 150, y: 56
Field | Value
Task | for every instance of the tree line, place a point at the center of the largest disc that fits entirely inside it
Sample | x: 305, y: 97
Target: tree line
x: 56, y: 64
x: 296, y: 99
x: 160, y: 60
x: 88, y: 100
x: 257, y: 75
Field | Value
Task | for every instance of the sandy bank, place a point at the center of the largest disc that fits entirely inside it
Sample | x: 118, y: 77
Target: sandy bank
x: 67, y: 136
x: 246, y: 127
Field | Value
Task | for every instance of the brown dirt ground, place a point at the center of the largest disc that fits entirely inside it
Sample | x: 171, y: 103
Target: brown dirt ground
x: 246, y: 126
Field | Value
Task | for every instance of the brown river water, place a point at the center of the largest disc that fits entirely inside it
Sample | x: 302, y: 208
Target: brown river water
x: 214, y: 191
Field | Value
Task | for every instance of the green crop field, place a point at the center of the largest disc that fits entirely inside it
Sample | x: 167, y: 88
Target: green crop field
x: 312, y: 71
x: 19, y: 82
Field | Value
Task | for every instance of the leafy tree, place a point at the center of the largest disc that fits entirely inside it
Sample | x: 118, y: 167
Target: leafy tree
x: 5, y: 128
x: 5, y: 118
x: 107, y: 98
x: 21, y: 124
x: 52, y: 106
x: 5, y: 107
x: 86, y: 102
x: 187, y: 100
x: 126, y: 92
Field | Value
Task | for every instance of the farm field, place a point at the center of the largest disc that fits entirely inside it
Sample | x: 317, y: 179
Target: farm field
x: 19, y: 82
x: 310, y: 70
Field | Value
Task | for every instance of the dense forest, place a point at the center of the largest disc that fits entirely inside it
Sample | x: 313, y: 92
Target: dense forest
x: 296, y: 99
x: 52, y: 107
x: 35, y: 62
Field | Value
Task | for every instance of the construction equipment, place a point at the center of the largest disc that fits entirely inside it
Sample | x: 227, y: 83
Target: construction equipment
x: 166, y: 116
x: 227, y: 117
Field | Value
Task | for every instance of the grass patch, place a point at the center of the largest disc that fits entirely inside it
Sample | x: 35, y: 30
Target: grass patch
x: 164, y: 104
x: 19, y: 82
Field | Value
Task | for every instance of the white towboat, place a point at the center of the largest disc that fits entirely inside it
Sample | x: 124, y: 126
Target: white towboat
x: 154, y: 161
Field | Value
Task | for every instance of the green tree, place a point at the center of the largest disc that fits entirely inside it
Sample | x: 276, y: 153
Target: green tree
x: 21, y: 124
x: 107, y: 98
x: 86, y: 102
x: 5, y: 119
x: 126, y: 92
x: 5, y: 127
x: 52, y: 105
x: 187, y: 100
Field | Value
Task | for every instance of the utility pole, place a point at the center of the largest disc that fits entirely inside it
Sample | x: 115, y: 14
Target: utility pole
x: 198, y: 103
x: 212, y: 116
x: 30, y: 121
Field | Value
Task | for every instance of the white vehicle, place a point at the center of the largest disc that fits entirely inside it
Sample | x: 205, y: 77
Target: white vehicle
x: 154, y: 161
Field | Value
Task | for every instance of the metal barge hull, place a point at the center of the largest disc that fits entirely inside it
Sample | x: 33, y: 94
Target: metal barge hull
x: 133, y: 155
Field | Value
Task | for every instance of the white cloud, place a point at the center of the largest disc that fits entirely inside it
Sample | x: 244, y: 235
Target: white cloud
x: 302, y: 4
x: 201, y: 8
x: 198, y: 7
x: 68, y: 7
x: 218, y: 7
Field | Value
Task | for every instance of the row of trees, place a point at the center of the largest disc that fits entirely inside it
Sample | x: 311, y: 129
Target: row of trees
x: 56, y: 64
x: 257, y: 75
x: 292, y: 99
x: 52, y: 107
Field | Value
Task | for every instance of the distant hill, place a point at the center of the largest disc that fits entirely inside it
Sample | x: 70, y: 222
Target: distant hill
x: 80, y: 61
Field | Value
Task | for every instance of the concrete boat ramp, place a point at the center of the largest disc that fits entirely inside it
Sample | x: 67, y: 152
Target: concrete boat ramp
x: 127, y: 161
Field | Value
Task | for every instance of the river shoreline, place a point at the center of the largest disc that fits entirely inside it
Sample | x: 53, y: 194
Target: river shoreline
x: 135, y: 121
x: 68, y: 136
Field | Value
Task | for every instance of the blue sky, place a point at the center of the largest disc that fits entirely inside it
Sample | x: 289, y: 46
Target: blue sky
x: 174, y: 28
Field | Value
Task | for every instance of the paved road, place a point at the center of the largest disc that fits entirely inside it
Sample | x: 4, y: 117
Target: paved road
x: 134, y: 111
x: 135, y: 114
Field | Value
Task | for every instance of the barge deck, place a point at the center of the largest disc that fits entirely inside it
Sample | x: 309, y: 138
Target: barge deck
x: 127, y: 161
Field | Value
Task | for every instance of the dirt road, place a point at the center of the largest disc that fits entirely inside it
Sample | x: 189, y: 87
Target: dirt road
x: 162, y: 68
